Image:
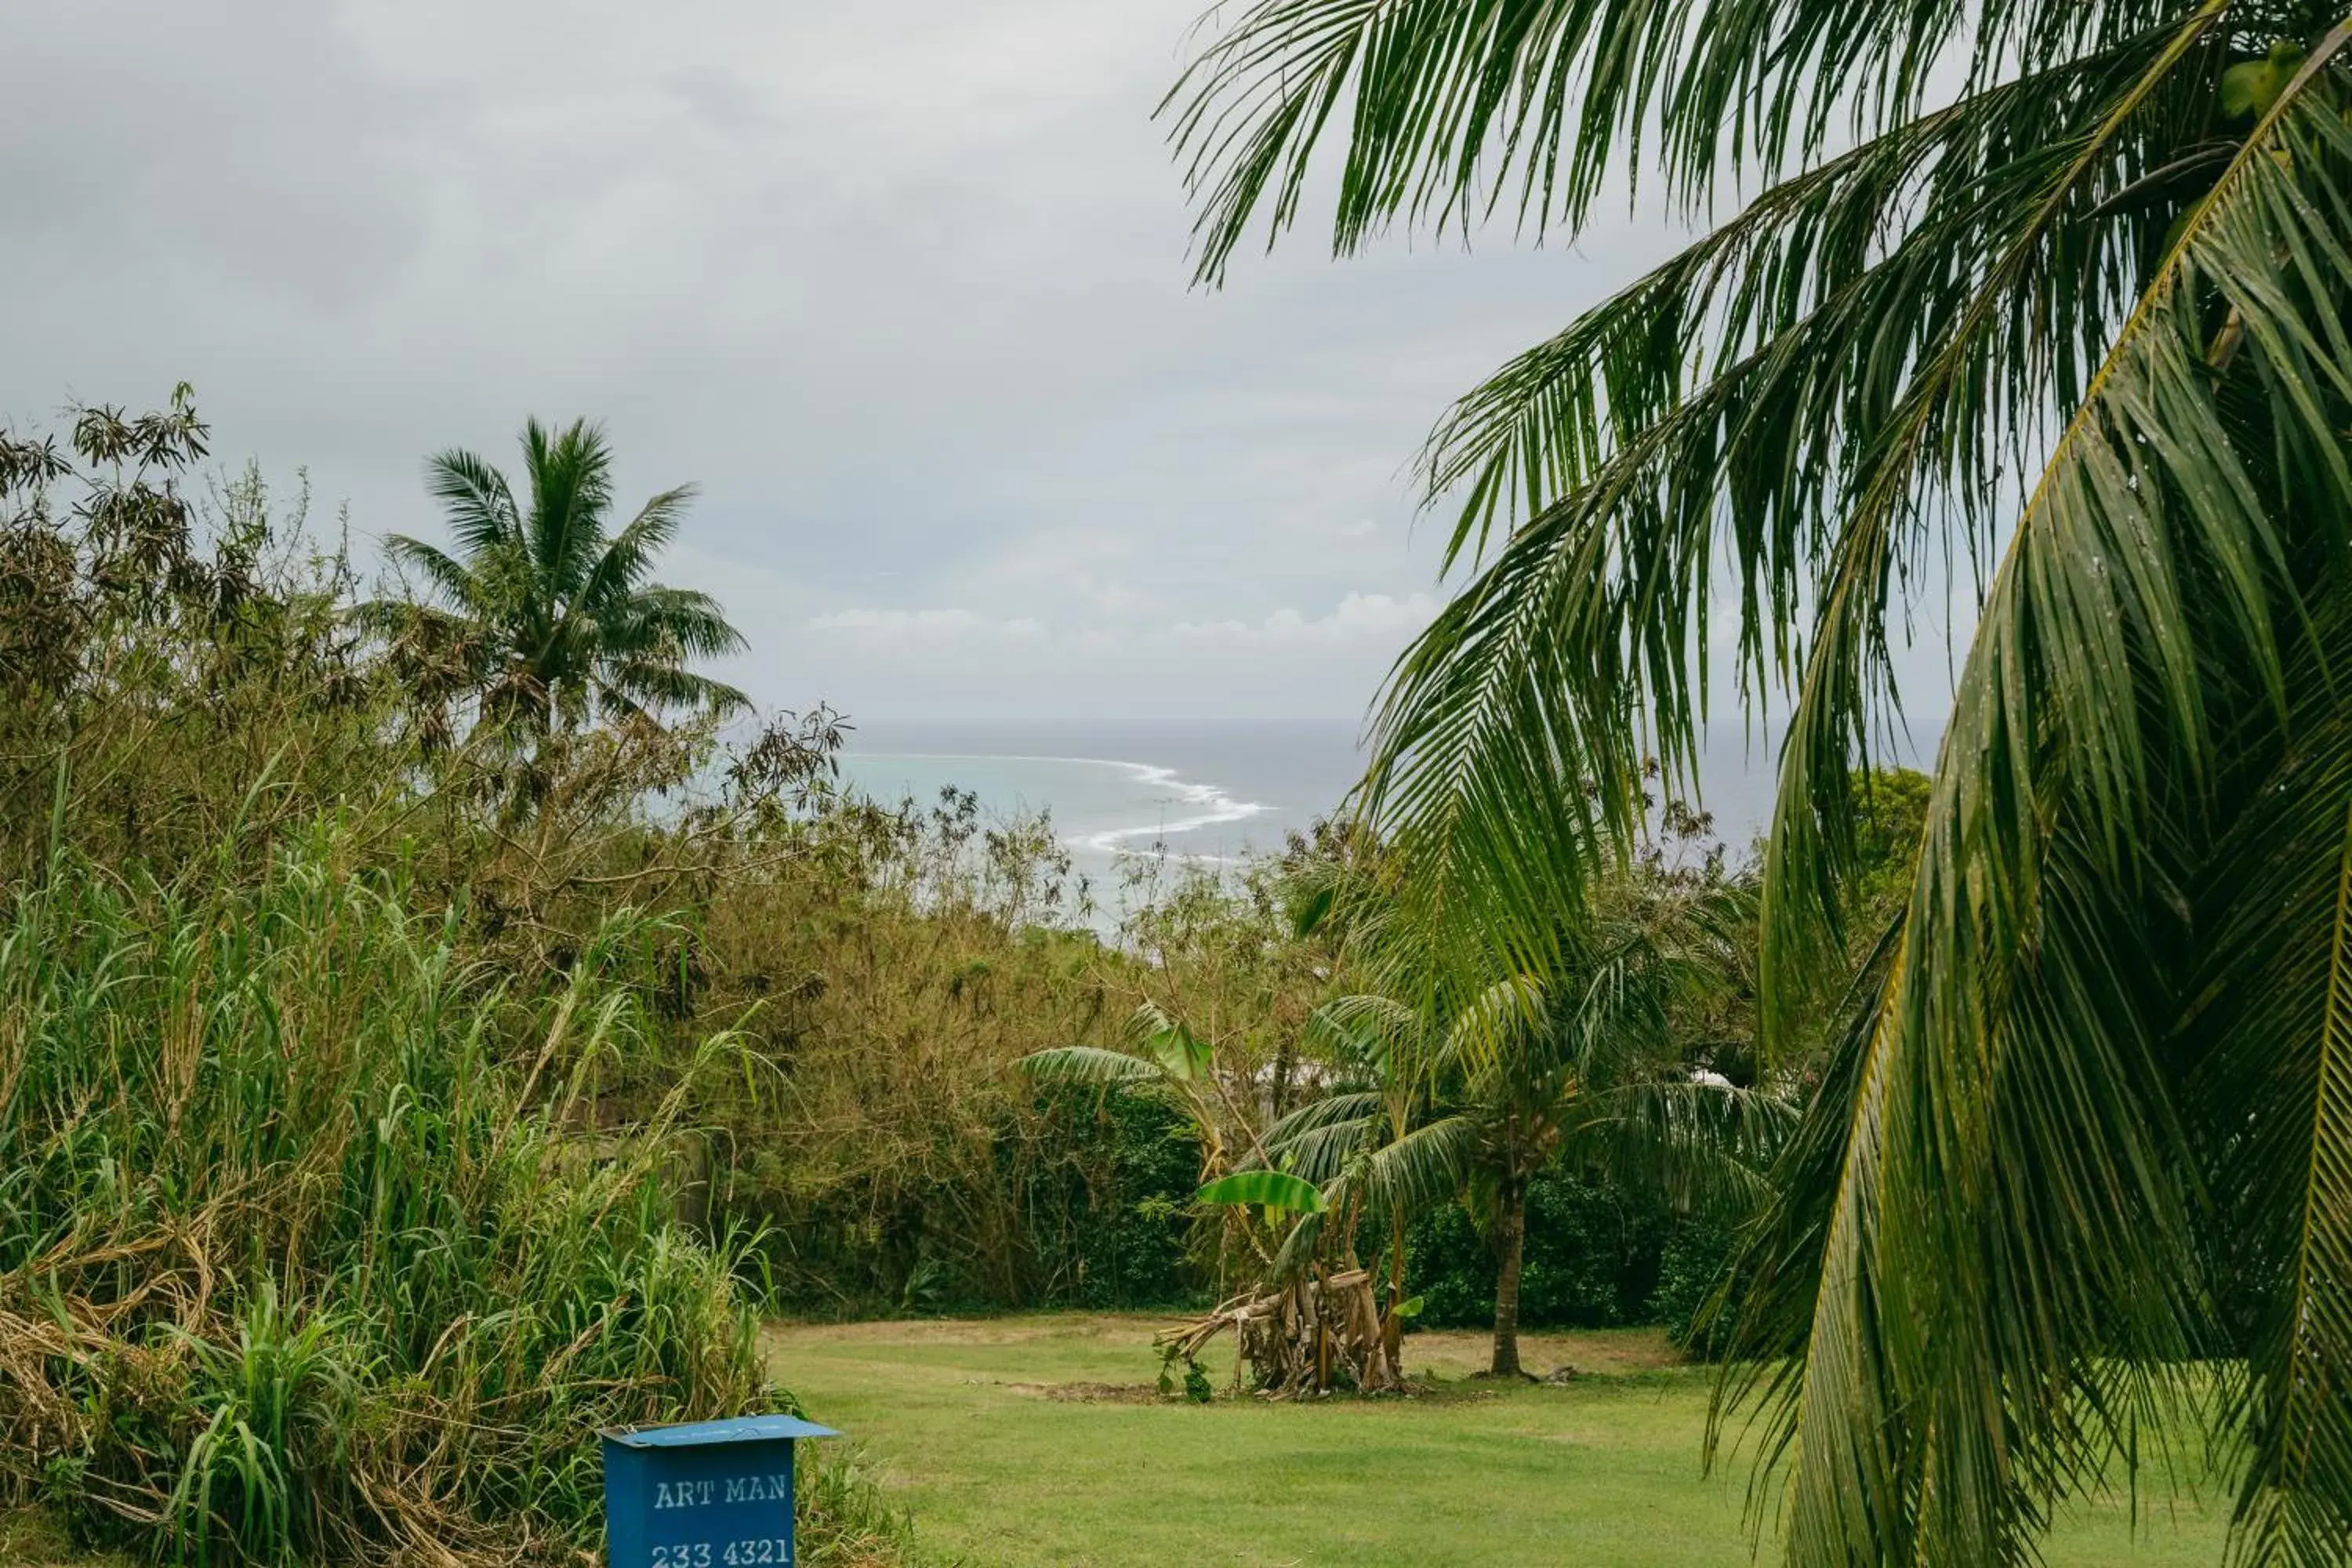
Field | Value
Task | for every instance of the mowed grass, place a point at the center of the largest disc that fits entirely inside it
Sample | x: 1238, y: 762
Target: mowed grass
x: 1037, y: 1439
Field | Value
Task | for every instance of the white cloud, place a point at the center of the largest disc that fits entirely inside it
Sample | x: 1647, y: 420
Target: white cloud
x: 1359, y: 618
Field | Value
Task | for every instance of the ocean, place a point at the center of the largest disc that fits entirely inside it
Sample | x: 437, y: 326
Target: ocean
x: 1116, y: 791
x: 1207, y: 792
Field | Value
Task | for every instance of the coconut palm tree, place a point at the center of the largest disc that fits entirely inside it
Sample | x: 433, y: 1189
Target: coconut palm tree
x: 2038, y: 296
x: 545, y: 614
x: 1581, y: 1066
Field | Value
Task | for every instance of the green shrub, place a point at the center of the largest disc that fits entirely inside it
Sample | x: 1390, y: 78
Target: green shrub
x: 1691, y: 1269
x: 1592, y: 1261
x: 1121, y: 1170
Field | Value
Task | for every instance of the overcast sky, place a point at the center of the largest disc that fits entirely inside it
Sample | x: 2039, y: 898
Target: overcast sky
x: 904, y: 286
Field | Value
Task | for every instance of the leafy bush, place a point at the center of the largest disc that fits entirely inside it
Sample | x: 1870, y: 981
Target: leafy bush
x: 1592, y: 1261
x: 1125, y: 1169
x: 887, y: 979
x: 1691, y: 1268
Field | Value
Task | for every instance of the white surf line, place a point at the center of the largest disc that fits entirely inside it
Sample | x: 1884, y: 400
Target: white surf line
x: 1222, y: 807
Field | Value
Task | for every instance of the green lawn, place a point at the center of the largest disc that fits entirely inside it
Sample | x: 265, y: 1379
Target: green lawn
x: 1033, y: 1440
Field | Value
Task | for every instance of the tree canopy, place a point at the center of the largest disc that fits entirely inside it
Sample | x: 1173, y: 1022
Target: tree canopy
x: 545, y: 614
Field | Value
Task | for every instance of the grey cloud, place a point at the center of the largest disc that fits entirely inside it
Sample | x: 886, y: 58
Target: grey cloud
x: 903, y: 286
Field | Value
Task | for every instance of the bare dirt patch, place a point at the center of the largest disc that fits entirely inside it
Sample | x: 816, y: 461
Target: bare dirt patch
x: 1083, y: 1393
x: 1103, y: 1393
x: 1118, y: 1327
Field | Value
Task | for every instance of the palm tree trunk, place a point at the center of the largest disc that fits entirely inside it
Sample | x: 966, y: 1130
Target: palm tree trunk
x: 1392, y: 1329
x: 1510, y: 1245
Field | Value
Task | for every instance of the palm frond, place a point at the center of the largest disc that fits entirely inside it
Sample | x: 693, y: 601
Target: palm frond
x: 1088, y: 1065
x: 476, y: 499
x: 1862, y: 262
x: 1324, y: 1152
x: 633, y: 551
x: 1429, y: 1166
x: 1706, y: 1146
x: 1348, y: 1109
x: 570, y: 476
x: 655, y: 685
x: 454, y: 581
x: 2272, y: 1090
x: 1451, y: 108
x: 1370, y: 1029
x: 682, y: 619
x: 2011, y: 1238
x: 1812, y: 847
x: 1479, y: 1038
x: 1815, y: 394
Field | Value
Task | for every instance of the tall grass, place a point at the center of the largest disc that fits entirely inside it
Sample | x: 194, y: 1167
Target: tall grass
x: 294, y: 1259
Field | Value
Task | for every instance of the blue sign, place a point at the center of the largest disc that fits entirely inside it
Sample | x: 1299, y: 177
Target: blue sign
x: 709, y: 1494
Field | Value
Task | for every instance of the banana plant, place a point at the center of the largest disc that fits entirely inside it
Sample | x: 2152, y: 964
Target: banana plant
x: 1274, y: 1194
x: 1162, y: 1058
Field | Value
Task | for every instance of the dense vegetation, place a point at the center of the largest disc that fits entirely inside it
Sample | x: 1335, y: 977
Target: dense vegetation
x: 421, y: 1049
x: 426, y: 1034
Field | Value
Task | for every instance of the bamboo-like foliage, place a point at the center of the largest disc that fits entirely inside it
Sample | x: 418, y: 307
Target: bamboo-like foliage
x: 2081, y: 321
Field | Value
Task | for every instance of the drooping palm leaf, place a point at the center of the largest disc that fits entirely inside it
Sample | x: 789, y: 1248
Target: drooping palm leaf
x: 631, y: 553
x: 678, y: 620
x: 442, y: 573
x: 1430, y: 1166
x: 2012, y: 1235
x: 1494, y: 1026
x: 1706, y: 1146
x: 1454, y: 107
x: 1376, y: 1031
x: 2002, y: 1219
x: 1326, y: 1153
x: 1814, y: 394
x: 1088, y: 1065
x: 2272, y: 1090
x: 648, y: 686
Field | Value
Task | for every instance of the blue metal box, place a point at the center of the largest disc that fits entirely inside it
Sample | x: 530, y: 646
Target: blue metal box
x: 708, y: 1494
